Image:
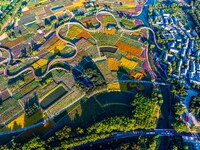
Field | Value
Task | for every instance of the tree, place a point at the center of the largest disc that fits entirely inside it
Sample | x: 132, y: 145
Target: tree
x: 179, y: 109
x: 35, y: 143
x: 152, y: 46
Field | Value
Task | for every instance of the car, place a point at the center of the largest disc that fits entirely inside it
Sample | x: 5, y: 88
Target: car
x: 186, y: 118
x: 170, y: 131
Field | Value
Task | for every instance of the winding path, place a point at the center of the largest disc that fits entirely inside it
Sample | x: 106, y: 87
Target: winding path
x: 70, y: 45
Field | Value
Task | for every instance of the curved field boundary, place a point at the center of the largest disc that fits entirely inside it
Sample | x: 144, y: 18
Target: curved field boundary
x: 71, y: 45
x: 48, y: 70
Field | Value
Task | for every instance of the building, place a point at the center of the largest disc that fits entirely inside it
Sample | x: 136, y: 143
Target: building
x: 175, y: 51
x: 183, y: 72
x: 174, y: 20
x: 192, y: 67
x: 183, y: 52
x: 198, y: 75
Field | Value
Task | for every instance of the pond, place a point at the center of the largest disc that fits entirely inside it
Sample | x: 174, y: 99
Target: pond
x: 53, y: 97
x: 56, y: 8
x: 144, y: 14
x: 108, y: 49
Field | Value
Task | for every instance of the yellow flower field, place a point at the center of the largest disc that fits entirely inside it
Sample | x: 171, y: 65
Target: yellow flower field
x: 76, y: 4
x: 117, y: 86
x: 73, y: 32
x: 112, y: 31
x: 40, y: 63
x: 137, y: 75
x: 128, y: 64
x: 114, y: 87
x: 23, y: 121
x: 108, y: 20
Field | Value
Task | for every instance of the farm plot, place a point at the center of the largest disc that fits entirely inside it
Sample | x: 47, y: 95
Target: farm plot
x: 40, y: 63
x: 104, y: 69
x: 41, y: 91
x: 108, y: 20
x: 65, y: 101
x: 127, y: 23
x: 24, y: 121
x: 129, y: 48
x: 29, y: 87
x: 73, y: 32
x: 4, y: 95
x: 113, y: 64
x: 11, y: 113
x: 28, y: 78
x: 53, y: 95
x: 117, y: 86
x: 105, y: 39
x: 8, y: 108
x: 8, y: 104
x: 131, y: 42
x: 93, y: 51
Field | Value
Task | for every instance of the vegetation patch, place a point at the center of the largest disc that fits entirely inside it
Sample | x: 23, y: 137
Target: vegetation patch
x: 23, y: 121
x: 53, y: 95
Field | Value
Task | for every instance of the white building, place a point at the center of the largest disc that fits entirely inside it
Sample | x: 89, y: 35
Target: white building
x: 175, y: 51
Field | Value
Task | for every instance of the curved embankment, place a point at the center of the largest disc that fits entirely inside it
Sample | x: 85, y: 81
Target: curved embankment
x: 72, y: 45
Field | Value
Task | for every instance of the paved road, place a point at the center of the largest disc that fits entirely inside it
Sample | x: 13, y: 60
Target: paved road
x: 141, y: 81
x: 122, y: 135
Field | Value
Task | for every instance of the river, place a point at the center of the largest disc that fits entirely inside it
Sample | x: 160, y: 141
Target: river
x: 144, y: 14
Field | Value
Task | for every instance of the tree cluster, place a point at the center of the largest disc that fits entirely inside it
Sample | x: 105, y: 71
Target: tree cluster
x: 89, y: 80
x: 194, y: 106
x: 31, y: 106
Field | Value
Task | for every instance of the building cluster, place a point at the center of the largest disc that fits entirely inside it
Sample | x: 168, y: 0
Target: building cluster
x: 182, y: 55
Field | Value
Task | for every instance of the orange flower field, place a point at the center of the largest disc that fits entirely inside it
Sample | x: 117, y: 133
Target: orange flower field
x: 113, y: 64
x: 84, y: 34
x: 129, y: 48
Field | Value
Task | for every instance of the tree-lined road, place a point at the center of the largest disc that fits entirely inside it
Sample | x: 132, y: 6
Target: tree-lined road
x: 122, y: 135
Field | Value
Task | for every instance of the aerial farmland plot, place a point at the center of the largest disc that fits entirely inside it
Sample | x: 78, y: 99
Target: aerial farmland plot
x: 97, y: 74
